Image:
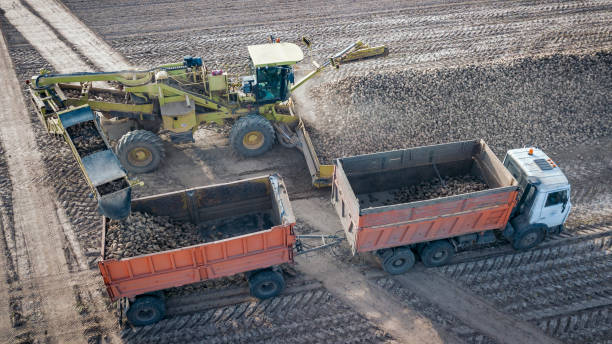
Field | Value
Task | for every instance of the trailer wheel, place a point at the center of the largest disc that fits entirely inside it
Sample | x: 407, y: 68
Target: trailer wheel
x: 140, y: 151
x: 401, y: 260
x: 252, y: 135
x: 531, y: 237
x: 146, y: 310
x: 437, y: 253
x: 266, y: 284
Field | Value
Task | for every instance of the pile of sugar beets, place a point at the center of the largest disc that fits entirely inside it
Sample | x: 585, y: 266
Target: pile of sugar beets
x: 430, y: 189
x: 142, y: 233
x: 551, y: 102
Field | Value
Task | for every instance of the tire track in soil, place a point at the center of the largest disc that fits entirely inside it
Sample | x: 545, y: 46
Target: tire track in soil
x: 305, y: 317
x: 590, y: 307
x: 581, y: 317
x: 70, y: 188
x: 14, y: 316
x: 571, y: 235
x: 182, y: 301
x: 473, y: 310
x: 80, y: 230
x: 449, y: 322
x: 41, y: 36
x: 356, y: 280
x: 62, y: 171
x: 34, y: 220
x: 418, y: 37
x: 75, y: 33
x: 565, y: 289
x: 22, y: 310
x: 56, y: 163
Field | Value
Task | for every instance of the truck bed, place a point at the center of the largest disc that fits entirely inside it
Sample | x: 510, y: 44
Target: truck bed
x: 243, y: 226
x: 363, y: 186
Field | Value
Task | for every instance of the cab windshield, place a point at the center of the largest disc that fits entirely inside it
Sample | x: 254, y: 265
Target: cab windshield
x: 272, y: 84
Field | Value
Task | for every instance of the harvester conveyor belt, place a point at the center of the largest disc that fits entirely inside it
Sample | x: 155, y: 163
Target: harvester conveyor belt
x: 102, y: 169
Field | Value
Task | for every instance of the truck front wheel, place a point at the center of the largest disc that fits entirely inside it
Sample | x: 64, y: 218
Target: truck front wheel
x: 146, y: 310
x: 397, y: 260
x: 531, y: 237
x: 437, y: 253
x: 266, y: 284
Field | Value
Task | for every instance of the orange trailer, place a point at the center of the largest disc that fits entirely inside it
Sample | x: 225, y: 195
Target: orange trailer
x: 398, y: 233
x: 257, y: 253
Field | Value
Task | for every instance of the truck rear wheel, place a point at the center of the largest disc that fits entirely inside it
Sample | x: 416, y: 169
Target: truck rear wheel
x: 140, y: 151
x: 437, y: 253
x: 266, y: 284
x: 399, y: 261
x: 252, y: 135
x: 531, y: 237
x: 146, y: 310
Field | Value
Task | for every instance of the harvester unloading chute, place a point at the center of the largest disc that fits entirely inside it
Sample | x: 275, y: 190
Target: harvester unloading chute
x: 103, y: 172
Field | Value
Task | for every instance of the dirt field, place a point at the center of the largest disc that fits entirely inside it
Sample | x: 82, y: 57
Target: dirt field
x: 50, y: 231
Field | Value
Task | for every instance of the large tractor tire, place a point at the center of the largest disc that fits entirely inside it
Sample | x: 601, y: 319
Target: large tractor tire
x: 437, y: 253
x: 252, y: 135
x: 146, y: 310
x: 266, y: 284
x: 397, y: 260
x: 140, y: 151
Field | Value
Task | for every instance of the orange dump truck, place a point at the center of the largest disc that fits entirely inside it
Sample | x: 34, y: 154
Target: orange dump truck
x: 429, y: 229
x: 257, y: 253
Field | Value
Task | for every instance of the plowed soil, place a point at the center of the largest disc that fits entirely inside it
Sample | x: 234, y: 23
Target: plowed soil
x: 50, y: 230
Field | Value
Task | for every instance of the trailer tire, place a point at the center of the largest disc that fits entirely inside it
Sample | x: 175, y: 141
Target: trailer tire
x: 146, y: 310
x: 529, y: 238
x: 266, y: 284
x: 140, y: 151
x: 437, y: 253
x: 401, y: 260
x: 252, y: 135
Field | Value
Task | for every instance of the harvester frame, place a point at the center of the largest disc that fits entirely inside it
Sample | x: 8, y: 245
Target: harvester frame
x: 178, y: 97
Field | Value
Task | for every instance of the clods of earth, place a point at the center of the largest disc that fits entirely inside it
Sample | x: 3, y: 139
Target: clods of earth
x: 142, y: 233
x: 430, y: 189
x: 550, y: 102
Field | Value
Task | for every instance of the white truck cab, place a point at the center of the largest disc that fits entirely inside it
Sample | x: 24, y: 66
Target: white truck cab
x: 544, y: 196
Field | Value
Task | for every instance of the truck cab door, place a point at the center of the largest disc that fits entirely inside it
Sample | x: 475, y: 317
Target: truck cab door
x: 555, y: 208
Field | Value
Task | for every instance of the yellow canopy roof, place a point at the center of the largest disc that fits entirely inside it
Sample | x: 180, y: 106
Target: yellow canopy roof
x: 275, y: 54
